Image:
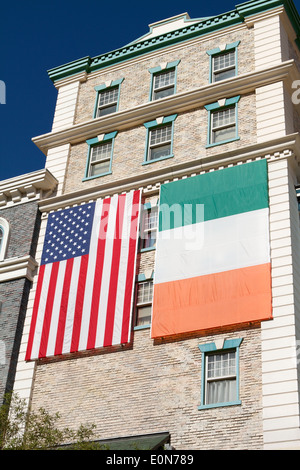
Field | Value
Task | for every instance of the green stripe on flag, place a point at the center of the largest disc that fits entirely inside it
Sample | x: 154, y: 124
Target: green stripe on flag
x: 214, y: 195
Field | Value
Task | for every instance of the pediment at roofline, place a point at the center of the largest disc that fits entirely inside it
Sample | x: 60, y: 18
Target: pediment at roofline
x: 167, y: 25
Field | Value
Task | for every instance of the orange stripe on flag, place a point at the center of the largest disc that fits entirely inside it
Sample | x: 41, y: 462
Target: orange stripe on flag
x: 213, y: 300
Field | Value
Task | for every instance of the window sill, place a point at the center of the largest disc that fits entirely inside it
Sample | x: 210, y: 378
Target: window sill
x: 212, y: 82
x: 143, y: 250
x: 222, y: 143
x: 87, y: 178
x: 142, y: 327
x: 218, y: 405
x: 157, y: 159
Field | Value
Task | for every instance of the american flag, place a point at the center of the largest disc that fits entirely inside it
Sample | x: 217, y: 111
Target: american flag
x: 85, y: 283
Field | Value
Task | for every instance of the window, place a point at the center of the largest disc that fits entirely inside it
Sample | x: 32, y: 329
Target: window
x: 100, y: 155
x: 164, y: 84
x: 223, y: 121
x: 221, y: 378
x: 223, y: 66
x: 159, y: 139
x: 144, y: 302
x: 107, y: 99
x: 149, y: 227
x: 220, y: 374
x: 223, y: 125
x: 100, y: 158
x: 163, y: 81
x: 160, y: 142
x: 223, y: 62
x: 1, y: 236
x: 4, y: 236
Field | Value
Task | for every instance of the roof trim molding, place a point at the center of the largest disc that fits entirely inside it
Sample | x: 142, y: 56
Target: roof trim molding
x: 26, y: 188
x: 16, y: 268
x: 192, y: 29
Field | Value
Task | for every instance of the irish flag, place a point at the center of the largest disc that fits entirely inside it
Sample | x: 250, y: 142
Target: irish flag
x: 213, y: 254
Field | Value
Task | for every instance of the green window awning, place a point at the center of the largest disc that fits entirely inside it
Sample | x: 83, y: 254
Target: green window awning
x: 142, y: 442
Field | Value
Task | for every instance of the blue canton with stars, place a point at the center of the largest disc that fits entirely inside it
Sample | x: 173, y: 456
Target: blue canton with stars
x: 68, y: 233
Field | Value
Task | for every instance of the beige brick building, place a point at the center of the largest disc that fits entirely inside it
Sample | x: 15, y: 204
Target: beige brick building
x: 223, y: 93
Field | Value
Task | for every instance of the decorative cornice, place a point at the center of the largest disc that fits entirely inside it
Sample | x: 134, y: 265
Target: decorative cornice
x: 189, y: 31
x: 132, y: 50
x: 16, y: 268
x: 26, y: 188
x: 180, y: 102
x: 282, y: 147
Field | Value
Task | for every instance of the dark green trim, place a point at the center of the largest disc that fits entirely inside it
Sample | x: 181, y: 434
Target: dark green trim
x: 228, y: 344
x: 228, y: 47
x: 103, y: 86
x: 204, y: 26
x: 228, y: 102
x: 72, y: 68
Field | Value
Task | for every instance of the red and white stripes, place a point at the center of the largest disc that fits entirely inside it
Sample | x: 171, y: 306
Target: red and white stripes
x: 86, y: 302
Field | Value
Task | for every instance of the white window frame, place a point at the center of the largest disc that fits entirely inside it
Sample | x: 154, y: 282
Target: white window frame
x: 220, y: 378
x: 98, y: 160
x: 149, y: 214
x: 222, y: 127
x: 170, y: 86
x: 219, y: 348
x: 142, y: 281
x: 159, y: 124
x: 221, y: 106
x: 113, y: 96
x: 5, y: 227
x: 222, y: 51
x: 231, y: 67
x: 160, y: 144
x: 106, y: 89
x: 167, y: 68
x: 105, y: 139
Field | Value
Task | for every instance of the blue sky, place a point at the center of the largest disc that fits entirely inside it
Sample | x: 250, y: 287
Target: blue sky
x: 37, y: 35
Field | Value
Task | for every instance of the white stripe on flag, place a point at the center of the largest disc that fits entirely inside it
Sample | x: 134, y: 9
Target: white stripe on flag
x: 90, y: 277
x: 56, y: 308
x: 226, y: 244
x: 110, y: 234
x: 117, y: 332
x: 41, y: 312
x: 71, y: 306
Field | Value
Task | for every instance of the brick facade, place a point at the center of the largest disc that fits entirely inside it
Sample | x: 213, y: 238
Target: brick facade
x: 24, y: 221
x: 189, y: 144
x: 156, y: 387
x: 136, y: 92
x: 190, y: 136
